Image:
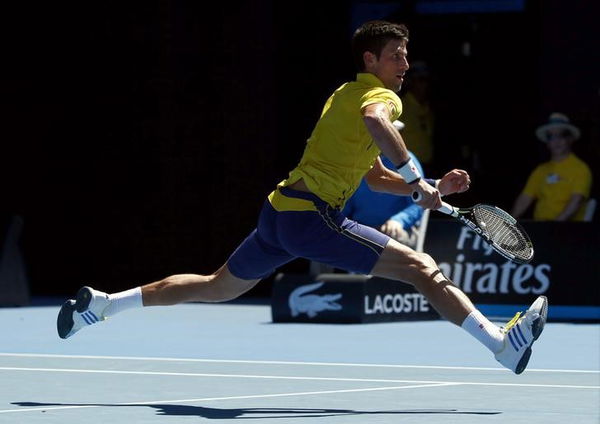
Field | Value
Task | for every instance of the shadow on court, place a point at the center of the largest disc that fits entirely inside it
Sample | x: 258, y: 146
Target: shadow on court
x: 253, y: 413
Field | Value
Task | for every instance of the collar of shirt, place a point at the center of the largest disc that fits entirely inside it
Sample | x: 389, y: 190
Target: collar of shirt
x: 369, y: 79
x: 566, y: 159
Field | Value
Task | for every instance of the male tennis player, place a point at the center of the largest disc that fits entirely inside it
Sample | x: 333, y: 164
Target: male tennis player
x: 302, y: 216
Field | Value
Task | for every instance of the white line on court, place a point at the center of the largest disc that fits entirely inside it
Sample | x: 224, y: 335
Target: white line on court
x: 327, y: 364
x: 283, y: 377
x: 322, y: 392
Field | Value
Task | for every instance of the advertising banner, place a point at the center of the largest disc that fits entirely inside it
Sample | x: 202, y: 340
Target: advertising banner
x: 565, y: 268
x: 346, y: 298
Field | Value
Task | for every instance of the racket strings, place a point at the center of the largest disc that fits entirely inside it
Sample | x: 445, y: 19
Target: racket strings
x: 503, y: 231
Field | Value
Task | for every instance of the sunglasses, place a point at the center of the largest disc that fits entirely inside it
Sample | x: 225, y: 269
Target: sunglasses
x: 550, y: 135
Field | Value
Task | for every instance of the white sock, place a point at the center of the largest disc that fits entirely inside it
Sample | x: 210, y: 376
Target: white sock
x: 484, y: 330
x: 124, y: 300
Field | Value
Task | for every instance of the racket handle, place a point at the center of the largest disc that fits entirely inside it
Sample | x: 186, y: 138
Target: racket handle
x: 445, y: 208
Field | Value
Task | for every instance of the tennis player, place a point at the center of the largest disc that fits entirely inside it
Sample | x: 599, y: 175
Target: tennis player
x: 302, y: 217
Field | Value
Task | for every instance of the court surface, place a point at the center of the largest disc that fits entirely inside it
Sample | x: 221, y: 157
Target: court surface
x: 201, y: 362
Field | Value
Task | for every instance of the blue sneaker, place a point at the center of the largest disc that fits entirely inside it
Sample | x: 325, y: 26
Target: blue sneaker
x: 520, y: 333
x: 86, y: 310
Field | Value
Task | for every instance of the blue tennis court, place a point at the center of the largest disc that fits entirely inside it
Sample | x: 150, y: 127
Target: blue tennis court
x: 230, y: 362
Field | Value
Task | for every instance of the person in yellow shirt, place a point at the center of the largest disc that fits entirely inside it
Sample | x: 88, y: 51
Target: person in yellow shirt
x: 303, y: 216
x: 559, y: 187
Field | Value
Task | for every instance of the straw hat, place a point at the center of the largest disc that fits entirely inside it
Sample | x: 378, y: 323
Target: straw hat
x: 558, y: 121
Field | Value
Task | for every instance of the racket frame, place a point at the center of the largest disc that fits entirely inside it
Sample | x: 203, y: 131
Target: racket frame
x: 463, y: 216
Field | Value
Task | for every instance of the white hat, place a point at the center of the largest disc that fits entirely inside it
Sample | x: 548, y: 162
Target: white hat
x: 557, y: 120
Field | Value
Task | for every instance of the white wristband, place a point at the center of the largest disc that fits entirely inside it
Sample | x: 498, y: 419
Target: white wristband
x: 409, y: 172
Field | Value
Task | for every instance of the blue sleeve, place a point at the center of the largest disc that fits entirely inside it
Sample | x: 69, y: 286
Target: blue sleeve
x: 409, y: 216
x: 349, y: 207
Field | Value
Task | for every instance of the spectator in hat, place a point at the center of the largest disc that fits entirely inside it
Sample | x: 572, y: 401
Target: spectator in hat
x: 559, y: 187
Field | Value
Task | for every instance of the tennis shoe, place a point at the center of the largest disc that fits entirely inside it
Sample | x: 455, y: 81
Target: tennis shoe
x: 87, y: 309
x: 520, y: 333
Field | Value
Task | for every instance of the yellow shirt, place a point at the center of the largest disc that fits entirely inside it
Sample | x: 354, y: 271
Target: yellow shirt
x: 340, y: 150
x: 553, y: 183
x: 418, y: 131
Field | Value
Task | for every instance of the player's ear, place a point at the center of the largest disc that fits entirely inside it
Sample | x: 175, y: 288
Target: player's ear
x: 369, y: 59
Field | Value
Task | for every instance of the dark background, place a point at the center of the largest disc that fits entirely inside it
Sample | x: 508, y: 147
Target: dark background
x: 139, y: 139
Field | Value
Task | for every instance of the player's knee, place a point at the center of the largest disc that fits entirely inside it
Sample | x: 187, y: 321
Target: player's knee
x: 222, y: 293
x: 428, y: 262
x: 424, y: 267
x: 224, y: 289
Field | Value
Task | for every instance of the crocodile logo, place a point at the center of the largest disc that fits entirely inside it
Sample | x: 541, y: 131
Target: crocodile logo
x: 311, y: 304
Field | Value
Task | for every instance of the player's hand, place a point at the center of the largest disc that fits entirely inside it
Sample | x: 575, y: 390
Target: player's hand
x: 429, y: 196
x: 455, y: 181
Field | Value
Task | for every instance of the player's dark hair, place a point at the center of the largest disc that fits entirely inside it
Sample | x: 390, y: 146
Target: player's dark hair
x: 372, y: 37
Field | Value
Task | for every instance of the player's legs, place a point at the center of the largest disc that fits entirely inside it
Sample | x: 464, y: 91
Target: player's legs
x: 91, y: 306
x: 217, y: 287
x: 398, y: 262
x: 330, y: 238
x: 511, y: 344
x: 255, y: 258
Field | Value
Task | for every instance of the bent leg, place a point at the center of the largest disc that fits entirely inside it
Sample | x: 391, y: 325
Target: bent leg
x: 218, y: 287
x: 398, y: 262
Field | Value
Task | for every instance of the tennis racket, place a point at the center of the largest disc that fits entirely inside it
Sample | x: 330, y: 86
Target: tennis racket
x: 497, y: 227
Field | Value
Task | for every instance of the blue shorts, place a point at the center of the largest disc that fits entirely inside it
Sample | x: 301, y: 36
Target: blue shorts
x: 324, y: 236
